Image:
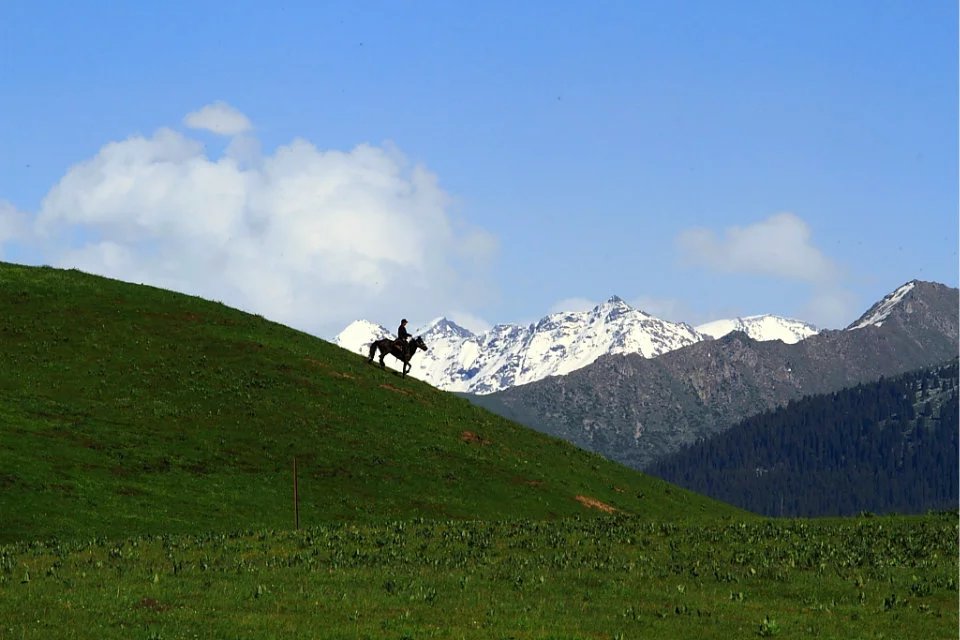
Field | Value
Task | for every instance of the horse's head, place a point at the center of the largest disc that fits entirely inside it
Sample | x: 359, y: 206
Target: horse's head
x: 419, y: 343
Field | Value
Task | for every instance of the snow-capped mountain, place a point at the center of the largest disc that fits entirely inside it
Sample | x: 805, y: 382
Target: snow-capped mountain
x: 761, y: 328
x: 509, y: 355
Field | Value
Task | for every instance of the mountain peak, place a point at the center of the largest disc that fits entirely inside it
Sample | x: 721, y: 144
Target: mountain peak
x: 614, y: 308
x: 880, y: 311
x: 445, y: 327
x: 360, y: 326
x: 359, y: 334
x: 925, y: 309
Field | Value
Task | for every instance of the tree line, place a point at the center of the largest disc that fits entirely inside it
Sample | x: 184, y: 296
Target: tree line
x: 889, y: 446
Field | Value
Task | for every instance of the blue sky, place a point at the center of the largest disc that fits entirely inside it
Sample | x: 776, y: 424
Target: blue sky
x: 320, y: 162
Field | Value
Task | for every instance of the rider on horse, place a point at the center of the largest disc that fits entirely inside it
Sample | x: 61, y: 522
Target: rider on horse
x: 402, y: 348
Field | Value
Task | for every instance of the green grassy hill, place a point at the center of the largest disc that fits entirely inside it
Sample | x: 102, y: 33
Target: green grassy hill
x: 128, y: 410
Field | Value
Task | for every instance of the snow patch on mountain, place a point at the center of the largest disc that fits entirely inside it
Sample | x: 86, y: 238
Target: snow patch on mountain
x: 879, y: 312
x: 761, y: 328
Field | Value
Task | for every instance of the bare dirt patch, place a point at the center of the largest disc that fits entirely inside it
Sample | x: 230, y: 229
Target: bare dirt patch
x: 528, y: 482
x: 152, y: 605
x: 472, y: 438
x: 593, y: 503
x: 396, y: 389
x: 329, y: 371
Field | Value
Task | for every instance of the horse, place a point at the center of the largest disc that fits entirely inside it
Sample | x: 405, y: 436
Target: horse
x: 402, y: 353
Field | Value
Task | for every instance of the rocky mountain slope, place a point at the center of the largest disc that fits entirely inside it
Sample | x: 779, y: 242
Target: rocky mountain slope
x: 633, y: 409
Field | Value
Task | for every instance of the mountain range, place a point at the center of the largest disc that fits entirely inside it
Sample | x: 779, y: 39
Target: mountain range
x: 635, y: 409
x: 512, y: 354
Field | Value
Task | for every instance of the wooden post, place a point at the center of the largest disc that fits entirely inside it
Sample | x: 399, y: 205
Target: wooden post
x: 296, y: 495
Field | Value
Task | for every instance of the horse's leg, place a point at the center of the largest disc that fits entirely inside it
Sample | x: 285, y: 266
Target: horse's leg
x: 383, y: 354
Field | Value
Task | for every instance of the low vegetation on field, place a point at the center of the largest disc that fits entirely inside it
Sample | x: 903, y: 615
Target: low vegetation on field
x: 609, y: 577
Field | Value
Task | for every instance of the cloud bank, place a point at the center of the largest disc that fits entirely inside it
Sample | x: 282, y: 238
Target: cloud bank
x: 309, y: 237
x: 780, y: 247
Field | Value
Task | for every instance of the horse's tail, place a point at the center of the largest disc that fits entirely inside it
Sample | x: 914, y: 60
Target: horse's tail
x: 373, y: 348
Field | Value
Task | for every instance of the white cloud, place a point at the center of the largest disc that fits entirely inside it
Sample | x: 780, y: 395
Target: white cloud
x: 220, y: 118
x: 669, y: 309
x: 13, y: 223
x: 308, y: 237
x: 573, y: 304
x: 831, y: 308
x: 779, y: 246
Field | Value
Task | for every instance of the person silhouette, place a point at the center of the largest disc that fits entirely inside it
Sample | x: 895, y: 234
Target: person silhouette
x: 402, y: 334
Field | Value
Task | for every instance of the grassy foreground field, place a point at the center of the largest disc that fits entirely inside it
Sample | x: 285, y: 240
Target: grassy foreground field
x: 610, y: 577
